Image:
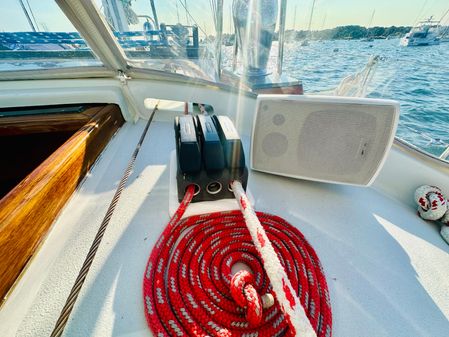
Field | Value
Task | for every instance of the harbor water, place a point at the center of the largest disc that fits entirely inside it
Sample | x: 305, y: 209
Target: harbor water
x: 418, y: 77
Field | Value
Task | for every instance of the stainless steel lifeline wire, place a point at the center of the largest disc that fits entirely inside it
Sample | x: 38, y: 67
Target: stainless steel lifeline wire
x: 71, y: 299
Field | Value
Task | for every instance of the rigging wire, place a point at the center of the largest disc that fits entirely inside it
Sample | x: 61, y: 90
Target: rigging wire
x: 444, y: 15
x: 30, y: 22
x: 191, y: 17
x: 421, y: 11
x: 187, y: 18
x: 310, y: 20
x: 32, y: 15
x: 177, y: 11
x: 71, y: 299
x: 445, y: 22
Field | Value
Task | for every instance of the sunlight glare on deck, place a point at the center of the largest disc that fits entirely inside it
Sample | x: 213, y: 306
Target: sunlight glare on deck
x: 420, y: 252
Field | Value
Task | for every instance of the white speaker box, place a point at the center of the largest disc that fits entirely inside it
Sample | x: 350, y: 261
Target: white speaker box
x: 334, y: 139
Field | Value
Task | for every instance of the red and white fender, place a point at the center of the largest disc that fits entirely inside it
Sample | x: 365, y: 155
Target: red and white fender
x: 433, y: 205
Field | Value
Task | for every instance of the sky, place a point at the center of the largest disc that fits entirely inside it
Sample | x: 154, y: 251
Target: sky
x: 327, y: 13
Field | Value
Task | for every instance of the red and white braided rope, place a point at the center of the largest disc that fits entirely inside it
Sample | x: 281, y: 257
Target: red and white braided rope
x: 282, y: 288
x: 189, y: 285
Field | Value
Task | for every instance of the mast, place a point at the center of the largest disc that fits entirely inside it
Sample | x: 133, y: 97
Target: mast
x: 371, y: 20
x: 27, y: 16
x: 310, y: 20
x: 281, y: 36
x: 370, y: 23
x: 153, y: 9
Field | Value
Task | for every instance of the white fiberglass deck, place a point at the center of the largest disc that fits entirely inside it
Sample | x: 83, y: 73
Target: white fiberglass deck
x: 387, y: 270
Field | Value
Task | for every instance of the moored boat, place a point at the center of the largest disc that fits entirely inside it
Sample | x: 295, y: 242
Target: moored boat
x: 425, y: 33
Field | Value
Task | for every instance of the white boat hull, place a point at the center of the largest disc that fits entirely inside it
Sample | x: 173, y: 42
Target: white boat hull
x: 411, y: 42
x: 424, y: 34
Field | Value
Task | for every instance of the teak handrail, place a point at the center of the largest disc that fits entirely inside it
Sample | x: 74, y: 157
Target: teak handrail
x: 28, y: 210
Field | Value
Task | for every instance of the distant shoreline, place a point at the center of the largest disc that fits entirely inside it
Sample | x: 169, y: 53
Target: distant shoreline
x: 350, y: 32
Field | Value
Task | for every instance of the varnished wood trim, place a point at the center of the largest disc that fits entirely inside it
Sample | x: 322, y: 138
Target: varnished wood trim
x: 28, y: 211
x: 59, y: 122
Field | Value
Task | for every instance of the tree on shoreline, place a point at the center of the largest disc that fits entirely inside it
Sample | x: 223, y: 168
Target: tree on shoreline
x: 351, y: 32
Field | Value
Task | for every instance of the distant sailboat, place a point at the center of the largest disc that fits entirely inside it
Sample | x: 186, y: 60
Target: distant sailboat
x: 305, y: 42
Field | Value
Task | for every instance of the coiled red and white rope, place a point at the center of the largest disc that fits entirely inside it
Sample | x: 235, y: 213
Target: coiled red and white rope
x: 190, y: 290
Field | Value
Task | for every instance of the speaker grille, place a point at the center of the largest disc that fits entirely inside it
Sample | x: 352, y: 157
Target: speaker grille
x: 342, y: 142
x: 275, y: 144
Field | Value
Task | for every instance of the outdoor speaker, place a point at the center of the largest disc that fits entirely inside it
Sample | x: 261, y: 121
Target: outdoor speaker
x: 341, y: 140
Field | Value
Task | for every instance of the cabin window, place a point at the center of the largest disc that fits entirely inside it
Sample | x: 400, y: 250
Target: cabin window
x: 170, y: 36
x: 327, y: 47
x: 37, y: 35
